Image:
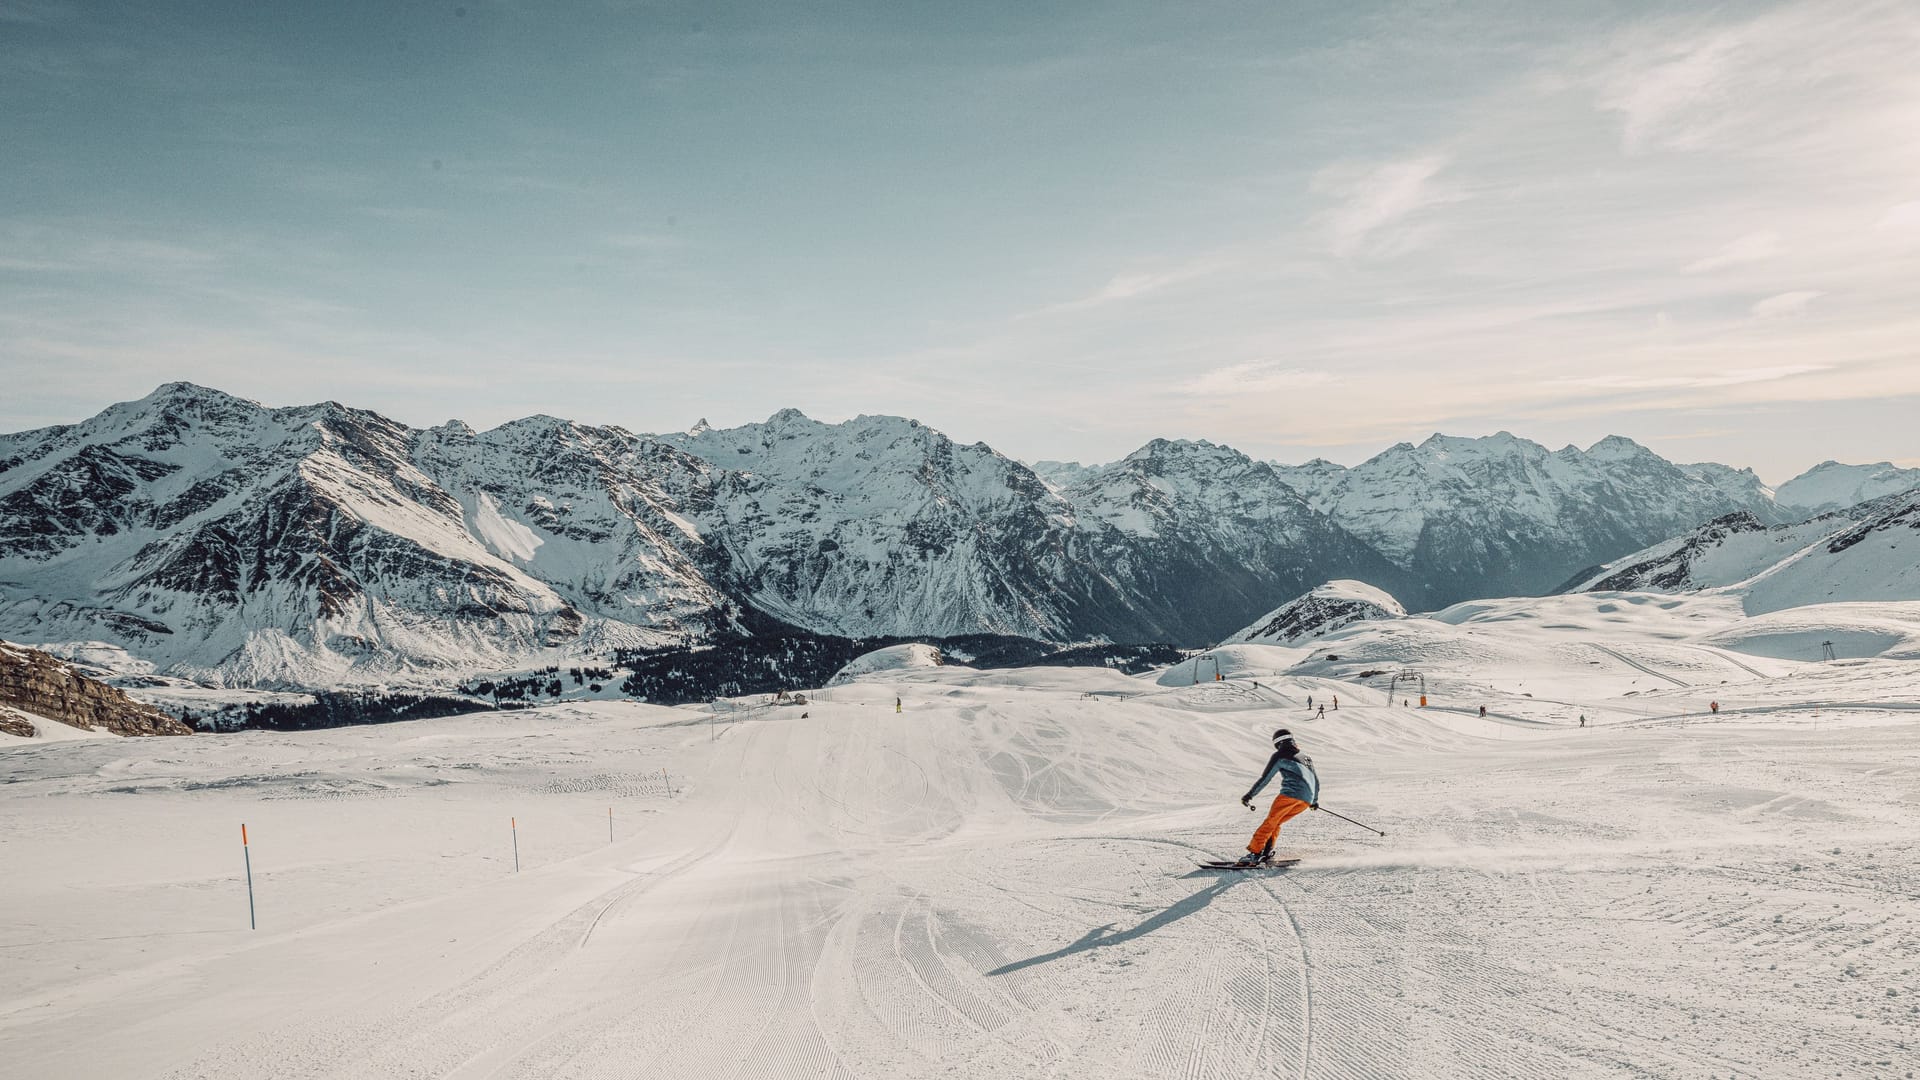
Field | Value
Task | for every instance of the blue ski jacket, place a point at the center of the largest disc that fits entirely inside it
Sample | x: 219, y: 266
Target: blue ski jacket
x: 1297, y: 778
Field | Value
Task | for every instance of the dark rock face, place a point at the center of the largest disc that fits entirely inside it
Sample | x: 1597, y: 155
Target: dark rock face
x: 34, y: 682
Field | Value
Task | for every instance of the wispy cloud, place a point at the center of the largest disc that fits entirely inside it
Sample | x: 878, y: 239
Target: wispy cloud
x: 1133, y: 284
x: 1373, y: 204
x: 1699, y: 381
x: 98, y: 245
x: 1668, y: 96
x: 1751, y: 248
x: 1901, y: 218
x: 1699, y: 81
x: 1254, y: 378
x: 1785, y: 304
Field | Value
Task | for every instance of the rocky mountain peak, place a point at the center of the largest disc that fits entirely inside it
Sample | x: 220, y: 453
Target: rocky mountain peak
x: 1618, y: 448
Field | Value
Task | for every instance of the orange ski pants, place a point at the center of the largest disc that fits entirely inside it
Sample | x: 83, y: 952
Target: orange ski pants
x: 1285, y: 809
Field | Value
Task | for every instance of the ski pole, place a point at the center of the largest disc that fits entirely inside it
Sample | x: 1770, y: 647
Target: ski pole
x: 1347, y: 819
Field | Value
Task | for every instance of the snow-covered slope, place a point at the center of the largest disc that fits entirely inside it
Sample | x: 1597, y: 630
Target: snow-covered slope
x: 912, y: 656
x: 999, y: 880
x: 1724, y: 551
x: 1831, y: 486
x: 1504, y: 516
x: 1870, y: 552
x: 1846, y: 631
x: 1329, y: 607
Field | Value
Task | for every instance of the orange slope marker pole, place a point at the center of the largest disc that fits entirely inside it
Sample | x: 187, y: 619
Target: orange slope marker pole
x: 246, y: 853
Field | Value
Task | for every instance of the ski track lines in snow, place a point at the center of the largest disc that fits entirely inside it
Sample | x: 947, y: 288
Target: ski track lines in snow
x: 997, y: 882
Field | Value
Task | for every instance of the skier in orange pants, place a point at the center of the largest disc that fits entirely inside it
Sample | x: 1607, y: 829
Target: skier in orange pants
x: 1299, y: 792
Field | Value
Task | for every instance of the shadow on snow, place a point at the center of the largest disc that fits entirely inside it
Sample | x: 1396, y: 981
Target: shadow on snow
x: 1102, y: 936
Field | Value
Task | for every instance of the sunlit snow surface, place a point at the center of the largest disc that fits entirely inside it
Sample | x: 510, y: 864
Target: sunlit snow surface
x: 890, y: 660
x: 999, y: 880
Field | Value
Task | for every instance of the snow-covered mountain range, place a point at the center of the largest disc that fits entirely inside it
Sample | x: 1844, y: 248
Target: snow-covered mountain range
x: 234, y: 543
x: 1831, y: 486
x: 1504, y: 516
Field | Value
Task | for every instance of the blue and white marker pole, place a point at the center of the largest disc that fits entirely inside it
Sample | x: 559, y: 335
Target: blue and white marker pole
x: 514, y: 824
x: 247, y: 854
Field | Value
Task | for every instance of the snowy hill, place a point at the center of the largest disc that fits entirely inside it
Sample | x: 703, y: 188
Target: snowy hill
x: 1330, y: 607
x: 1504, y: 516
x: 1000, y: 880
x: 1870, y: 552
x: 1724, y: 551
x: 913, y: 656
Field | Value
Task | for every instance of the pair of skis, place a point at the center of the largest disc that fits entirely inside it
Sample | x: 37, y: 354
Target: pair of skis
x: 1282, y: 864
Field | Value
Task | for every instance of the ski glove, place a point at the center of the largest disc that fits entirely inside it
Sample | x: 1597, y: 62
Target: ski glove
x: 1246, y: 802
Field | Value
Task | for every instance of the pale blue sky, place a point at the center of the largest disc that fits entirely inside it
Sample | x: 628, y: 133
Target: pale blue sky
x: 1062, y: 229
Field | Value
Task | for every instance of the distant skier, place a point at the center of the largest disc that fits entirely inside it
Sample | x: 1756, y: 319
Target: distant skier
x: 1299, y: 792
x: 1483, y: 712
x: 1322, y: 714
x: 1713, y: 706
x: 1309, y: 701
x: 1336, y: 703
x: 1583, y: 719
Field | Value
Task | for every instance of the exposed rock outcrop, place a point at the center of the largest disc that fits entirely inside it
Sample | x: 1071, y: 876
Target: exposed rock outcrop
x: 32, y: 682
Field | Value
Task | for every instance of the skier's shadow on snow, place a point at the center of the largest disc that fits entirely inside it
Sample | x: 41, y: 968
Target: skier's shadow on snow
x: 1102, y: 936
